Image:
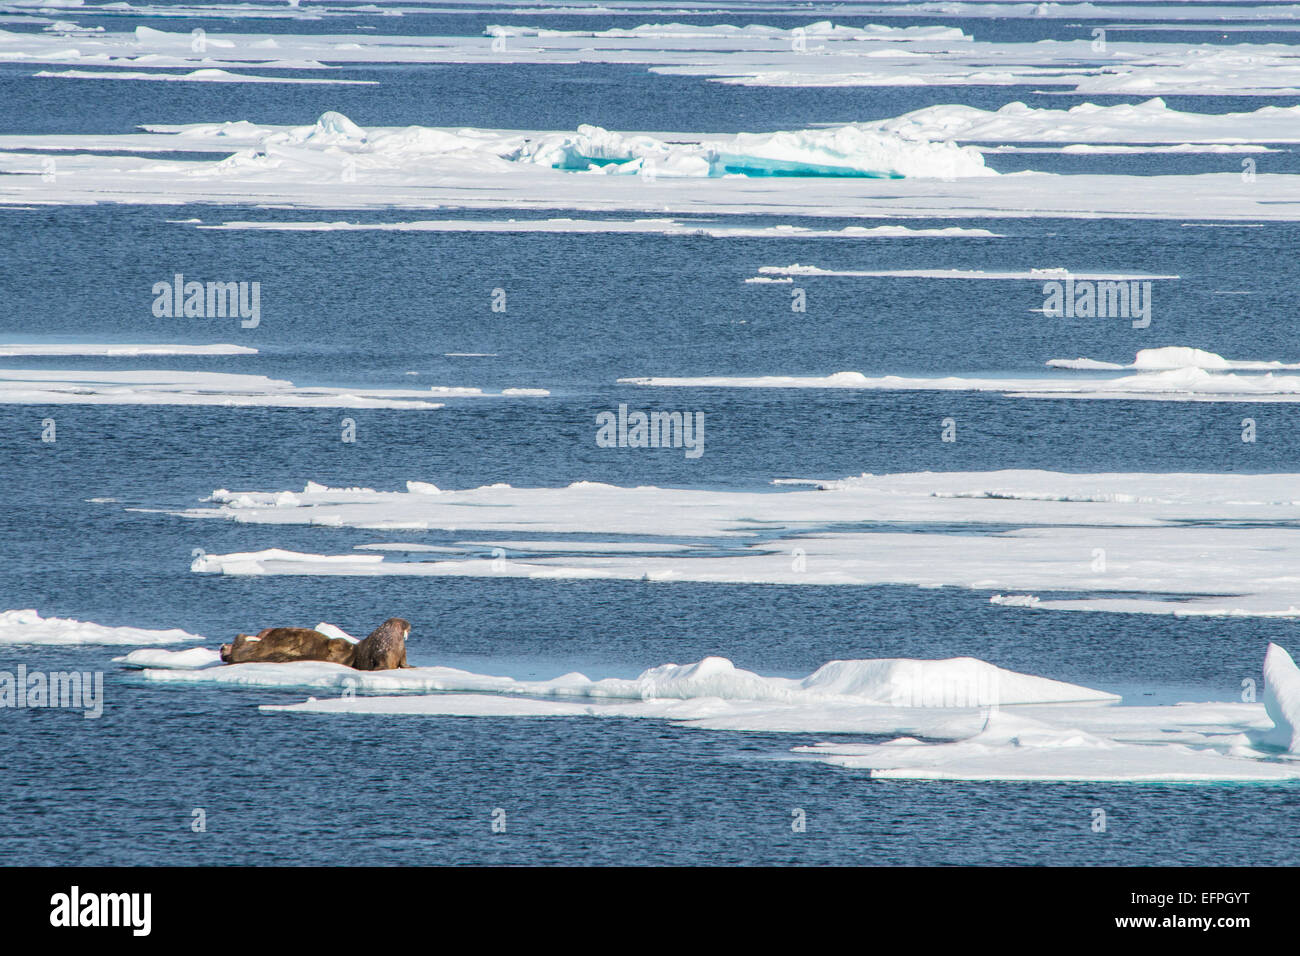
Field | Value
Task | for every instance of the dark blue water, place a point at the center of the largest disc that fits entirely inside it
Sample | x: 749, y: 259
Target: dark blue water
x: 364, y: 308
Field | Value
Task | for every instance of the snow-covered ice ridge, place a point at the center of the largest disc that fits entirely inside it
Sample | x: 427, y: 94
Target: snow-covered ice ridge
x: 846, y: 151
x: 962, y: 718
x: 848, y: 170
x: 1177, y: 544
x: 1171, y: 373
x: 819, y: 53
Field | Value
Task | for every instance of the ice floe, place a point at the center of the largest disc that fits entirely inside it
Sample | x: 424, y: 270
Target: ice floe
x: 853, y: 170
x: 662, y: 227
x: 120, y: 351
x: 1170, y: 373
x: 194, y: 76
x: 1046, y: 274
x: 191, y: 659
x: 1172, y: 357
x: 1178, y: 544
x: 28, y: 627
x: 1089, y: 124
x: 962, y: 719
x: 170, y: 387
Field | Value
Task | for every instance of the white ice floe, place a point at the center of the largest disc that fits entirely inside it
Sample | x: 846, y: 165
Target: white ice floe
x: 896, y: 683
x: 209, y: 75
x: 662, y: 227
x: 1046, y: 274
x: 1184, y: 384
x: 1173, y: 357
x: 818, y: 54
x: 120, y: 351
x: 963, y: 719
x: 171, y: 387
x: 1022, y: 747
x: 1015, y: 600
x: 1171, y: 373
x: 1089, y: 124
x: 191, y: 659
x: 848, y: 170
x: 28, y: 627
x: 1180, y: 544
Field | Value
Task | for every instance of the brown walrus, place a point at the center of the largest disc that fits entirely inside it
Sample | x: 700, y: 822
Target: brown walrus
x: 384, y: 649
x: 280, y: 644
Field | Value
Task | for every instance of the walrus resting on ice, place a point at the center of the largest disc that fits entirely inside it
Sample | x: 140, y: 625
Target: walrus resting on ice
x: 280, y: 644
x: 384, y: 649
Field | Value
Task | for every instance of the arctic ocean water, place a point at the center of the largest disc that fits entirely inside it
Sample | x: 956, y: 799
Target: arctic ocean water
x: 367, y: 308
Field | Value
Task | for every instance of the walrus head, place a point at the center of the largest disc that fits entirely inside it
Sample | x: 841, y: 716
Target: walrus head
x: 397, y: 625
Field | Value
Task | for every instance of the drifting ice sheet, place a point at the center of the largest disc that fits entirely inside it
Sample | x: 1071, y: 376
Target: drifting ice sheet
x: 961, y: 716
x: 28, y: 627
x: 1183, y: 544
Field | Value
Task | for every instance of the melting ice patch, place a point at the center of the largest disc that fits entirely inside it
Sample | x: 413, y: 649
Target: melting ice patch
x: 28, y: 627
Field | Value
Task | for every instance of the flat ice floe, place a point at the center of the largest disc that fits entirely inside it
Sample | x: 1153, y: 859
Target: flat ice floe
x: 1046, y: 274
x: 1172, y: 373
x: 168, y: 387
x: 1179, y: 544
x: 1149, y: 122
x: 818, y: 54
x: 194, y: 76
x: 28, y: 627
x: 894, y: 682
x: 964, y: 719
x: 120, y: 350
x: 712, y: 229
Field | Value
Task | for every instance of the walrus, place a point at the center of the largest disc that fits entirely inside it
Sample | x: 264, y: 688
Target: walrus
x: 384, y: 649
x: 280, y: 644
